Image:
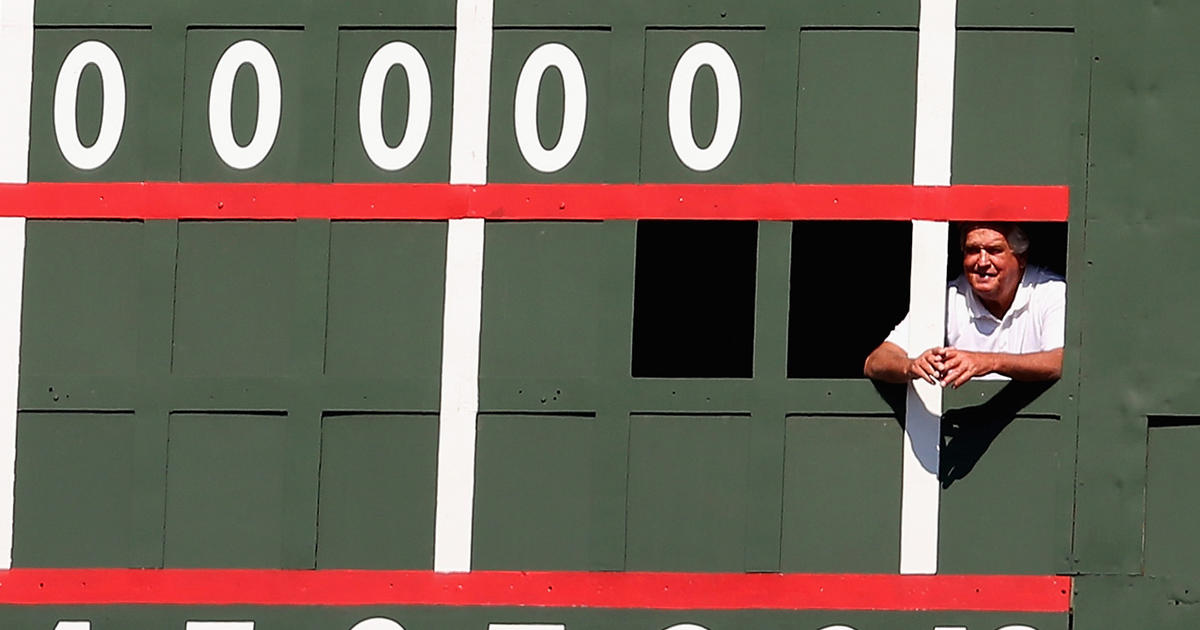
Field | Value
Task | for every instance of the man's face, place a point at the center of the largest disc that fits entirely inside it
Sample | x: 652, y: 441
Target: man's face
x: 992, y: 268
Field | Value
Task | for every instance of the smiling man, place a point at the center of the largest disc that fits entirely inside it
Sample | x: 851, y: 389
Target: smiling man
x: 1003, y: 317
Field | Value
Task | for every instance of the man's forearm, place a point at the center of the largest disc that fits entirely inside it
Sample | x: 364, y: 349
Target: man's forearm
x: 887, y: 363
x: 1035, y: 366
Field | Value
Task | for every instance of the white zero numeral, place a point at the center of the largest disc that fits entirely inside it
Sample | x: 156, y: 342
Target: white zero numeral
x: 220, y: 104
x: 370, y: 106
x: 574, y: 107
x: 66, y: 93
x: 679, y: 106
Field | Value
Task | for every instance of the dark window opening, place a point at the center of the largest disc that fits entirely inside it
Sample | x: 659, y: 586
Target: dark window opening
x: 693, y: 304
x: 849, y: 289
x: 1047, y: 248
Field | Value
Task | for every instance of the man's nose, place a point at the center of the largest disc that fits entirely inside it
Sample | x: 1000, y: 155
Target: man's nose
x: 983, y: 257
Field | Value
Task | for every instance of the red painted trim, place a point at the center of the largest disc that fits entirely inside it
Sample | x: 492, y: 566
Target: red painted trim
x: 173, y: 200
x: 663, y: 591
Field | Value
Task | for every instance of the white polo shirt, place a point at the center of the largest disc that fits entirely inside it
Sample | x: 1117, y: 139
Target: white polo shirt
x: 1034, y: 323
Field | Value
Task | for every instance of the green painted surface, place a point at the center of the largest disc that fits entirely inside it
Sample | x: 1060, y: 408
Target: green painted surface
x: 136, y: 154
x: 761, y: 152
x: 1119, y: 601
x: 857, y: 106
x: 75, y: 500
x: 511, y: 48
x: 377, y: 491
x: 153, y: 341
x: 88, y: 323
x: 533, y: 493
x: 355, y: 50
x: 225, y: 484
x: 386, y: 289
x: 687, y: 481
x: 302, y: 146
x: 1014, y: 107
x: 541, y: 302
x: 235, y: 300
x: 1172, y: 488
x: 841, y: 502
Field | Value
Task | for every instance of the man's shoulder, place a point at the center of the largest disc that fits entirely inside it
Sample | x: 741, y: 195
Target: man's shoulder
x: 1047, y: 289
x: 1039, y: 276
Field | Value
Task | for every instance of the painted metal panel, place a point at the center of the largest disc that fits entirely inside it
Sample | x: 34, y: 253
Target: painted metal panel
x: 1172, y: 488
x: 377, y: 491
x: 687, y: 485
x: 225, y: 490
x: 1014, y: 107
x: 987, y: 456
x: 80, y: 313
x: 1128, y: 601
x: 135, y: 156
x: 533, y: 494
x: 262, y: 311
x: 553, y: 106
x: 356, y: 49
x: 76, y: 501
x: 541, y: 304
x: 761, y: 150
x: 303, y: 106
x: 386, y: 285
x: 841, y: 502
x: 235, y: 299
x: 857, y: 106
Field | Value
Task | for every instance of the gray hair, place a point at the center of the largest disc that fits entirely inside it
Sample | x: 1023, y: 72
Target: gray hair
x: 1017, y: 239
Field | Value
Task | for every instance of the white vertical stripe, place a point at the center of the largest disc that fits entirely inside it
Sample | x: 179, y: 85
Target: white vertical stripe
x: 935, y: 93
x: 472, y: 89
x: 927, y: 303
x: 460, y: 396
x: 16, y: 77
x: 464, y: 294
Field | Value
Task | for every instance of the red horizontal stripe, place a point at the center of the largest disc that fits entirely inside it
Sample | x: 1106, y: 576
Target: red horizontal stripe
x: 663, y: 591
x: 173, y: 200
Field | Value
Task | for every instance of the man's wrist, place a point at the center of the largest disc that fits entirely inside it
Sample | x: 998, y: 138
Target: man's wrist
x: 995, y: 363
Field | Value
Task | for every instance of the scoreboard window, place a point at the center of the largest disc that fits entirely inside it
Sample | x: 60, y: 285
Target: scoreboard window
x: 693, y: 312
x: 849, y: 288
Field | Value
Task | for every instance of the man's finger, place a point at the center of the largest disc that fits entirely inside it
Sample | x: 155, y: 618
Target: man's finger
x: 949, y: 377
x: 923, y: 372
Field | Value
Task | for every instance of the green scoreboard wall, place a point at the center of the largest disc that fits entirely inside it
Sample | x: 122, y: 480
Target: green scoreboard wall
x: 277, y: 254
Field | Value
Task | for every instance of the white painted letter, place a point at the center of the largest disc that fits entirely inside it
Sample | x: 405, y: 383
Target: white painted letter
x: 377, y: 623
x: 370, y: 106
x: 1017, y: 627
x: 679, y: 106
x: 574, y: 107
x: 73, y: 625
x: 220, y: 104
x: 686, y: 626
x: 66, y: 91
x: 526, y: 626
x: 837, y: 627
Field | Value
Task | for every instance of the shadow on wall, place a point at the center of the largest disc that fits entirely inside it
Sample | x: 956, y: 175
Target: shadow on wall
x: 968, y: 432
